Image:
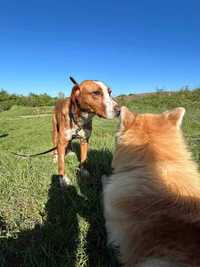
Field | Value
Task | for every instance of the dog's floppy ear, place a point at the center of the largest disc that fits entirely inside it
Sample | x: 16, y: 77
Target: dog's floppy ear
x: 75, y: 93
x: 175, y: 116
x: 127, y: 118
x: 74, y: 99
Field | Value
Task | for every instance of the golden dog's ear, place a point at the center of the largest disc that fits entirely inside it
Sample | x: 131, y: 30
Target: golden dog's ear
x: 175, y: 116
x: 127, y: 118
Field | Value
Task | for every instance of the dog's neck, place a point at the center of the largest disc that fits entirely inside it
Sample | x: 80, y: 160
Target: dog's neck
x: 79, y: 116
x: 85, y: 118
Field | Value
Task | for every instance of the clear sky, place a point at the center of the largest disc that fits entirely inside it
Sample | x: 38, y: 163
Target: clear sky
x: 134, y: 46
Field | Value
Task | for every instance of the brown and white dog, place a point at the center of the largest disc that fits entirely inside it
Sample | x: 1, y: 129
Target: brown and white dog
x: 72, y: 118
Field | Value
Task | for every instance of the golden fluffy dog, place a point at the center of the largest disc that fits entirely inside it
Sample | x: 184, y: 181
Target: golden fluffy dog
x: 152, y: 199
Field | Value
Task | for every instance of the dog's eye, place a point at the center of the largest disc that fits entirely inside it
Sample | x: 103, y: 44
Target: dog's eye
x: 96, y: 93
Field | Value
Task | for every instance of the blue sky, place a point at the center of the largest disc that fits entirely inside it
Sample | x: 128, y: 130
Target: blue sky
x: 133, y: 46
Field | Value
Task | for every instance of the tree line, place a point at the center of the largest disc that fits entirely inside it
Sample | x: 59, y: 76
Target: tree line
x: 7, y: 100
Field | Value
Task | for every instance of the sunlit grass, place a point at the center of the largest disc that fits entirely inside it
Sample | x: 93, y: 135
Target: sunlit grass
x: 42, y: 225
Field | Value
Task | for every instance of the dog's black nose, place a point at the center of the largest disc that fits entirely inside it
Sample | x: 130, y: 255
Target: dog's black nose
x: 117, y: 110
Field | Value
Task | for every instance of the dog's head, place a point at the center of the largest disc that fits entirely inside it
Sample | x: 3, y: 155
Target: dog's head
x: 95, y: 97
x: 148, y: 136
x: 144, y: 128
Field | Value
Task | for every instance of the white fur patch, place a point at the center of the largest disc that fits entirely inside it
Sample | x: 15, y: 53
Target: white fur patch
x: 108, y: 101
x: 64, y: 181
x: 122, y: 116
x: 182, y: 113
x: 68, y: 134
x: 82, y: 133
x: 85, y: 115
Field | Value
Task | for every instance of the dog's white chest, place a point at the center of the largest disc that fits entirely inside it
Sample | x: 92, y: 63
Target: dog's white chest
x: 76, y: 132
x: 82, y: 130
x: 80, y: 133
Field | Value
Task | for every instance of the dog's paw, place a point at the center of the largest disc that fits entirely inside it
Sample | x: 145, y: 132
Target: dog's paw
x: 64, y: 181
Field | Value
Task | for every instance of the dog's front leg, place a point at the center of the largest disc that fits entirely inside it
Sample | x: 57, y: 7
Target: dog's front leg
x: 62, y: 144
x: 84, y: 151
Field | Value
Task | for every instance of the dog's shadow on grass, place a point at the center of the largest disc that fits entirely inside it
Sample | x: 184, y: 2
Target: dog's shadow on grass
x: 52, y: 244
x: 59, y: 241
x: 98, y: 164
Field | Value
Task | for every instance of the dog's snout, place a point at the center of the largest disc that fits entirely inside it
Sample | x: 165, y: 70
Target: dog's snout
x: 117, y: 110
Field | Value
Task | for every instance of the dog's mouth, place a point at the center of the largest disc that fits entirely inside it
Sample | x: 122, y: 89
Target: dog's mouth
x: 118, y: 112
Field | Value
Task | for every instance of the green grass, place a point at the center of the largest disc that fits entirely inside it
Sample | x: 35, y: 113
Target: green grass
x: 42, y: 225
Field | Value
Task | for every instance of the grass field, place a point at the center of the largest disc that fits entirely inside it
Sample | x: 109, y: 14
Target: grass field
x: 42, y: 225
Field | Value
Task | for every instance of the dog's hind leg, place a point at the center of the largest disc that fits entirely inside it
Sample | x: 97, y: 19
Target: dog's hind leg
x: 55, y: 136
x: 64, y: 139
x: 62, y: 145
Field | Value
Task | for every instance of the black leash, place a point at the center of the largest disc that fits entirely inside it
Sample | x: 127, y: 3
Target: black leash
x: 33, y: 155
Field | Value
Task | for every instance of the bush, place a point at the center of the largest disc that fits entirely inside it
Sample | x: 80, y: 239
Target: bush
x: 32, y: 100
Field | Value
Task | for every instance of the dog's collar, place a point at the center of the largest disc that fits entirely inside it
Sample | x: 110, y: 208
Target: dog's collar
x: 76, y: 119
x: 73, y: 118
x: 81, y: 126
x: 81, y: 134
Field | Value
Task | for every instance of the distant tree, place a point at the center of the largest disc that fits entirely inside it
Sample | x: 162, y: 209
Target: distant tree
x: 122, y: 95
x: 159, y: 90
x: 185, y: 88
x: 61, y: 95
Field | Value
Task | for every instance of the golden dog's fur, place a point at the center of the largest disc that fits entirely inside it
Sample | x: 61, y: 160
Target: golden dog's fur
x: 152, y: 200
